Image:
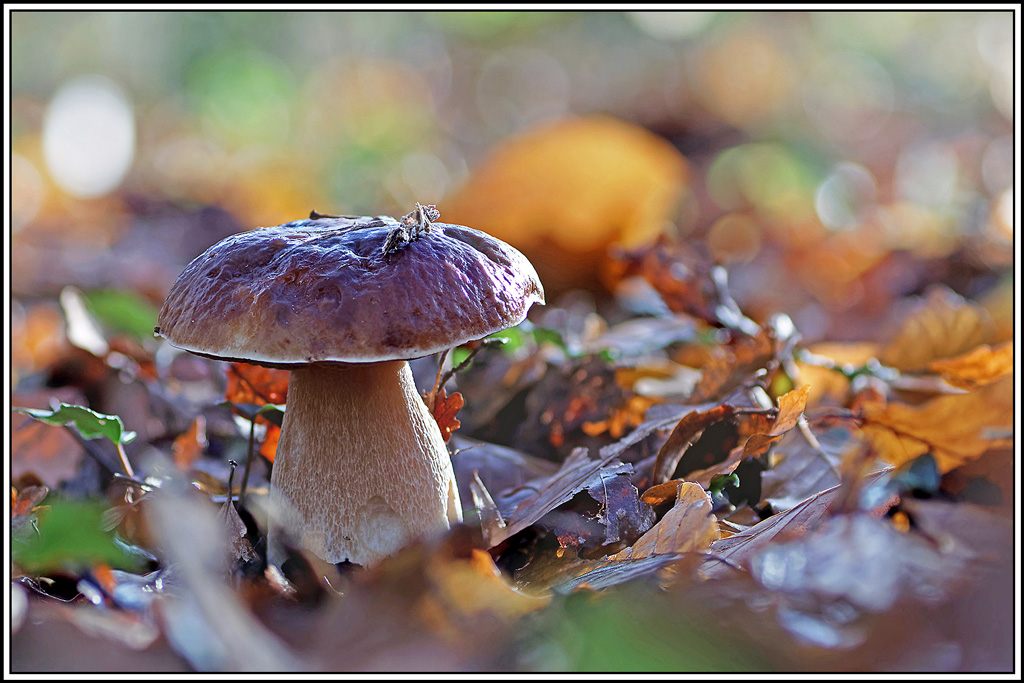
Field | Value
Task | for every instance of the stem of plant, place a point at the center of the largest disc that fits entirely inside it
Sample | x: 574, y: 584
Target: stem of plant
x: 231, y: 477
x: 248, y: 464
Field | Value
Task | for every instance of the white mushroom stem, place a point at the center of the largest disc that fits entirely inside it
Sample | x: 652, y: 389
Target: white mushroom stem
x: 360, y: 464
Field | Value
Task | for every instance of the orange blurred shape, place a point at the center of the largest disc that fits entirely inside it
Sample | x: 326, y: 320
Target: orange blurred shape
x: 564, y: 192
x: 37, y: 337
x: 745, y: 78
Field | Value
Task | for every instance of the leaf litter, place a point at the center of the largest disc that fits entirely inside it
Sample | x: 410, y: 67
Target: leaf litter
x: 690, y: 451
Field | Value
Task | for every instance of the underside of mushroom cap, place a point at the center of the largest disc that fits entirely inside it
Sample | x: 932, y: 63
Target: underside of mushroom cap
x: 328, y: 290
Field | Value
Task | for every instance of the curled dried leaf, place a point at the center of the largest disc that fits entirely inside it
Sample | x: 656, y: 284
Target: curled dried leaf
x: 444, y: 409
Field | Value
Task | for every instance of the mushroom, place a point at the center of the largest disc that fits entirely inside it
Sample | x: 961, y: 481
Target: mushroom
x: 344, y: 302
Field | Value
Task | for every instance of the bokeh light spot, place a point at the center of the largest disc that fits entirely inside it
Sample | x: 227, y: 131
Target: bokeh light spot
x: 89, y: 136
x: 928, y: 175
x: 846, y: 196
x: 734, y: 238
x: 671, y: 25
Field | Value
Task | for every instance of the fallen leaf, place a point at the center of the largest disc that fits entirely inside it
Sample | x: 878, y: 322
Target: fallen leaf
x: 188, y: 446
x: 736, y: 551
x: 445, y: 408
x: 686, y: 282
x: 686, y: 432
x: 619, y: 518
x: 572, y: 477
x: 734, y: 364
x: 38, y: 337
x: 944, y: 325
x: 499, y: 468
x: 660, y: 494
x: 791, y: 408
x: 582, y: 398
x: 978, y: 367
x: 801, y: 468
x: 52, y: 455
x: 239, y: 547
x: 954, y: 428
x: 25, y: 500
x: 255, y: 384
x: 689, y: 526
x: 268, y: 447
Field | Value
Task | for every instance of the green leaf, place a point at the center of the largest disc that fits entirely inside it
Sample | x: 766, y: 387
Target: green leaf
x: 89, y: 423
x: 546, y: 334
x: 123, y: 311
x: 71, y: 536
x: 514, y: 337
x: 719, y: 482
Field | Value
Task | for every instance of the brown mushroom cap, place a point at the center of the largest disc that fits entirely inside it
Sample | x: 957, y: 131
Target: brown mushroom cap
x: 324, y: 290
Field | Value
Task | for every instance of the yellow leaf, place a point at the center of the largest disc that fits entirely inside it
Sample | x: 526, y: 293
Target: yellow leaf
x: 955, y: 428
x: 474, y: 585
x: 944, y: 325
x: 977, y: 368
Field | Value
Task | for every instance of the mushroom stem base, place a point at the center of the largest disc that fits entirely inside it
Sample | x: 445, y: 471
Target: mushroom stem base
x: 361, y: 468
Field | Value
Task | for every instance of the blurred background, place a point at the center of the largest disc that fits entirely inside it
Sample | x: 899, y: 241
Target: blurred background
x: 832, y: 161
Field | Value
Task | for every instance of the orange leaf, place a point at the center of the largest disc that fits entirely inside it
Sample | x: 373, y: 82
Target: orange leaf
x: 955, y: 428
x: 977, y: 368
x: 189, y: 445
x: 444, y: 410
x: 660, y: 494
x: 268, y: 449
x: 256, y: 384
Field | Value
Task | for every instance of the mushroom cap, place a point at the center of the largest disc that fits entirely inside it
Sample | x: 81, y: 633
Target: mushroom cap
x: 324, y: 290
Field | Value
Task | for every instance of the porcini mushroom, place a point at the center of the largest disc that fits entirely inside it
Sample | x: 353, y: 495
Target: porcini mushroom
x: 344, y: 303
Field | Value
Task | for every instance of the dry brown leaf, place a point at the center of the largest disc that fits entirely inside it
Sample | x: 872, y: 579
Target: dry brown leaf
x: 734, y: 364
x: 704, y: 475
x: 37, y: 337
x: 791, y: 407
x: 954, y: 428
x: 945, y: 325
x: 50, y: 453
x: 689, y: 526
x: 572, y: 477
x: 976, y: 368
x: 25, y: 500
x: 684, y: 434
